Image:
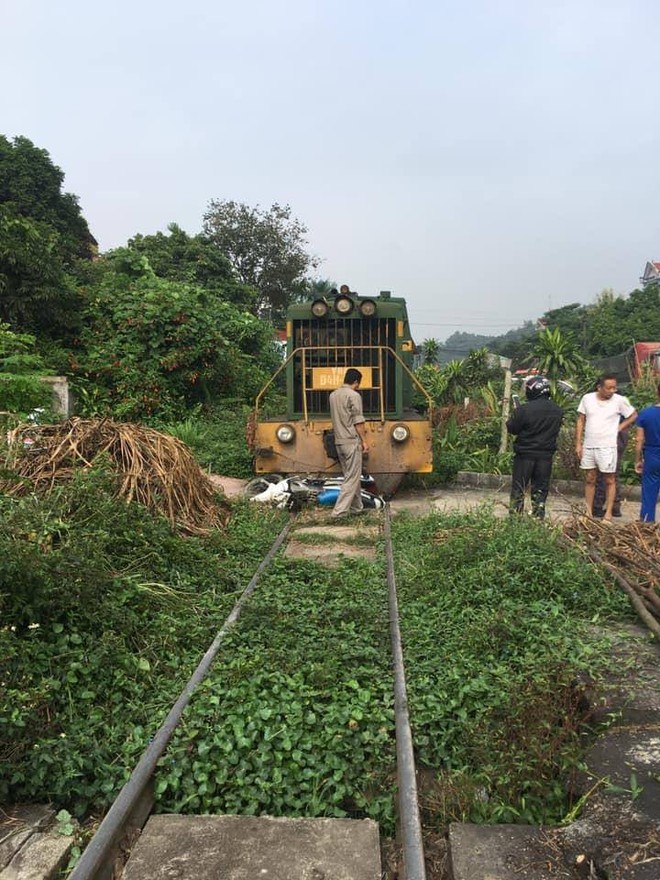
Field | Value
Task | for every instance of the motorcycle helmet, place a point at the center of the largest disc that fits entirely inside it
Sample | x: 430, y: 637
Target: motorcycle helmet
x: 537, y: 386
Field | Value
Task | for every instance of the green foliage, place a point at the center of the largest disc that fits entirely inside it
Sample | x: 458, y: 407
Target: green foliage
x: 298, y: 719
x: 36, y: 293
x: 266, y: 249
x: 556, y: 355
x: 457, y: 380
x: 21, y: 389
x: 218, y: 439
x: 493, y: 647
x: 105, y: 615
x: 193, y: 260
x: 152, y: 347
x: 43, y: 235
x: 430, y: 351
x: 106, y: 612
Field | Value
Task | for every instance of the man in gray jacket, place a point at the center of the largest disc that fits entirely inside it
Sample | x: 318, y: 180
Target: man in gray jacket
x: 350, y: 439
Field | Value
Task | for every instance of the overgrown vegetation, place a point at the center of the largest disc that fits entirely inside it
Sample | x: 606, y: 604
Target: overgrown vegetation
x: 296, y: 719
x: 105, y: 613
x: 299, y: 720
x: 495, y: 620
x: 21, y: 368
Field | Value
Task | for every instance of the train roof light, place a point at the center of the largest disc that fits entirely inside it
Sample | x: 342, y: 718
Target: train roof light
x: 344, y: 305
x: 320, y: 307
x: 368, y: 308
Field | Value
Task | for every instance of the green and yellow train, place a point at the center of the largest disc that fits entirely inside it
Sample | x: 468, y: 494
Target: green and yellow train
x: 325, y: 336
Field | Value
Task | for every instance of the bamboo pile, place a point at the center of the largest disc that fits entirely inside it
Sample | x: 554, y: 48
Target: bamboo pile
x: 152, y: 468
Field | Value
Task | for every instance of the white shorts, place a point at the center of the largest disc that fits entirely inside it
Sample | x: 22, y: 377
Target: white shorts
x: 601, y: 457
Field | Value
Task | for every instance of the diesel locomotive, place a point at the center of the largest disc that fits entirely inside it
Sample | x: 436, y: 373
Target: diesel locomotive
x: 325, y: 336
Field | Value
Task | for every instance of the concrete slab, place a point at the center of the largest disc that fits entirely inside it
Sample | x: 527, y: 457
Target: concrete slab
x: 629, y: 693
x: 11, y: 844
x: 463, y: 499
x: 338, y: 531
x: 41, y: 857
x: 628, y: 759
x: 17, y: 824
x: 498, y: 852
x: 229, y: 485
x: 34, y: 816
x: 335, y: 540
x: 328, y: 554
x: 248, y: 848
x: 613, y: 836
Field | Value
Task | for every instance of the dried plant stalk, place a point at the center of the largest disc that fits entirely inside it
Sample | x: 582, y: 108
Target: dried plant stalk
x: 153, y: 468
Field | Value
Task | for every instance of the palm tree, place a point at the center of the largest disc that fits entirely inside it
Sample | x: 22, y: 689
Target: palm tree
x: 430, y: 351
x: 556, y: 354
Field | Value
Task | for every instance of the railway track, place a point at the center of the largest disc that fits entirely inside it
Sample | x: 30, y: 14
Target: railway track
x: 135, y: 802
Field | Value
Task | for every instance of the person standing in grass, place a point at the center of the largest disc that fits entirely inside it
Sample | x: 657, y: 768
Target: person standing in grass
x: 647, y: 457
x: 602, y: 415
x: 348, y: 424
x: 536, y: 427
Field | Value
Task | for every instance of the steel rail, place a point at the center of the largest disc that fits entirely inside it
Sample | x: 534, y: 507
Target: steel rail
x: 411, y: 826
x: 94, y: 859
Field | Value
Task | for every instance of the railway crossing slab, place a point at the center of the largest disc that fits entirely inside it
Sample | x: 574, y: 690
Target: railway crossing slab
x: 329, y: 542
x: 497, y: 852
x: 30, y: 848
x: 175, y: 847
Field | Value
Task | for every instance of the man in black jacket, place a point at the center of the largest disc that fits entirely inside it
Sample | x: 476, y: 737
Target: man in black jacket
x: 536, y: 426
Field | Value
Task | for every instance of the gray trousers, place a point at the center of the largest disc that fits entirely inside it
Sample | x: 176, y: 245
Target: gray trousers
x: 350, y: 459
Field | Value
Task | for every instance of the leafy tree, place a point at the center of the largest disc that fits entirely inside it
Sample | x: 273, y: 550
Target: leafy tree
x: 515, y: 344
x: 266, y: 249
x: 459, y: 345
x: 643, y: 318
x: 33, y: 186
x: 193, y: 260
x: 36, y: 292
x: 152, y: 347
x: 607, y: 331
x: 568, y: 319
x: 42, y: 237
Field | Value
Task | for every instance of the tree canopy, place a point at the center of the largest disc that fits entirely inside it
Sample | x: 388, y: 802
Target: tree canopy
x: 42, y: 237
x: 266, y: 249
x: 193, y: 259
x: 150, y: 346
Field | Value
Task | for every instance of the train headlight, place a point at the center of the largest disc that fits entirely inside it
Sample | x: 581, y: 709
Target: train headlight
x: 285, y: 433
x: 400, y: 433
x: 368, y: 308
x: 344, y: 305
x: 320, y: 307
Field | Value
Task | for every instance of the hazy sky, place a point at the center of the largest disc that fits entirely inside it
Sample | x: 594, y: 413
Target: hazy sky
x: 486, y: 160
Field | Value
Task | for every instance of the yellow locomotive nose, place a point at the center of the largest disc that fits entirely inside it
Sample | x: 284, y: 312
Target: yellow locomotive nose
x: 326, y: 336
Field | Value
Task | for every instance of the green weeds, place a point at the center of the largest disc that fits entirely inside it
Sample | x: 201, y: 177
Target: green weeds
x: 105, y: 614
x: 494, y: 618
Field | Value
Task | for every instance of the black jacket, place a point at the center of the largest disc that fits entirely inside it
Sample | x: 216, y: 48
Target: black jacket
x: 536, y: 426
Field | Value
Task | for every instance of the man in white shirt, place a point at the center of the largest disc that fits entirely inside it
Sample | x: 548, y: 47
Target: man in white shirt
x: 602, y: 414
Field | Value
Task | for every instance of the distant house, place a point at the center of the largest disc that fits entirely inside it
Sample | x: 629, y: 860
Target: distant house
x: 651, y: 274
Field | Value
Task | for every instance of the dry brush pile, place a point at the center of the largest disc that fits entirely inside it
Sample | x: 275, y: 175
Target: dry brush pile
x: 631, y: 553
x: 152, y: 468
